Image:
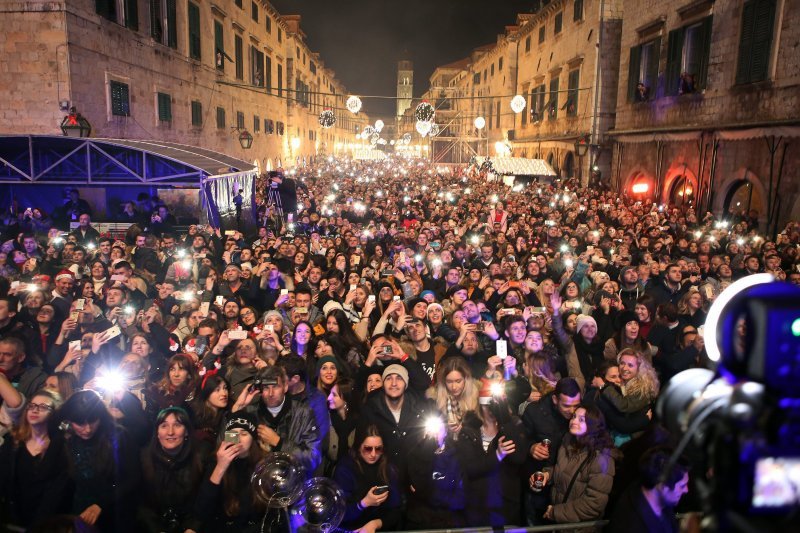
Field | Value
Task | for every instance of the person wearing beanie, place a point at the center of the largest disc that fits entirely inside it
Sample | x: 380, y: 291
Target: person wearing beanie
x: 628, y: 336
x: 399, y: 411
x: 62, y: 294
x: 225, y: 501
x: 629, y: 287
x: 327, y: 373
x: 589, y: 347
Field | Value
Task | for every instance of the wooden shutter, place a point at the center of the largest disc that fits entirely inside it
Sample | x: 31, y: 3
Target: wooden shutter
x: 132, y: 14
x: 106, y: 9
x: 762, y: 40
x: 652, y: 67
x: 672, y: 77
x: 194, y: 31
x: 705, y: 53
x: 156, y: 25
x: 172, y: 24
x: 633, y: 72
x: 746, y: 42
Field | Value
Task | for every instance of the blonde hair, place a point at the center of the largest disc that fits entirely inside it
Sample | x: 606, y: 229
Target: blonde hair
x: 645, y: 384
x: 468, y: 401
x: 683, y: 303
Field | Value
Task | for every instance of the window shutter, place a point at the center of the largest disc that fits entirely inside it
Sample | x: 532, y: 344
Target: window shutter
x: 652, y: 67
x: 746, y: 42
x: 106, y: 9
x: 132, y: 14
x: 156, y: 30
x: 164, y: 107
x: 194, y: 31
x: 705, y: 53
x: 674, y: 55
x: 172, y: 23
x: 633, y: 72
x: 197, y: 113
x: 219, y: 45
x: 762, y: 40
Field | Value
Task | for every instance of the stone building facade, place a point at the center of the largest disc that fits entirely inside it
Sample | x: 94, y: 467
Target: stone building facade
x: 708, y: 105
x: 190, y: 71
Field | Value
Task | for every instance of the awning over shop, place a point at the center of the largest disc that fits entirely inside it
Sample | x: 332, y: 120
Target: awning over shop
x: 519, y: 166
x: 653, y: 137
x: 755, y: 133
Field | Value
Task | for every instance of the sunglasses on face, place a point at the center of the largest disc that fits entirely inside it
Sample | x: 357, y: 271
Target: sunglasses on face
x: 372, y: 449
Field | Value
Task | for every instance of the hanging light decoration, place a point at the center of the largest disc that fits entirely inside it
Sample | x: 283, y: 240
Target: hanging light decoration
x: 424, y: 112
x: 327, y: 118
x: 480, y: 123
x: 406, y: 138
x: 373, y: 139
x: 379, y: 125
x: 368, y: 130
x: 518, y: 104
x: 423, y: 127
x: 354, y: 104
x: 434, y: 130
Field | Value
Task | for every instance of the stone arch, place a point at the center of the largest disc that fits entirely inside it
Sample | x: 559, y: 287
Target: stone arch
x: 636, y: 175
x: 734, y: 181
x: 679, y: 182
x: 568, y: 165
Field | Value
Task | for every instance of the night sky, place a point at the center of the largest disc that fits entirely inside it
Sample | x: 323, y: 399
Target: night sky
x: 362, y: 40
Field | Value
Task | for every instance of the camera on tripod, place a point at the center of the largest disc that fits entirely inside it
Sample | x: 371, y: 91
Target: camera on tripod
x: 742, y: 419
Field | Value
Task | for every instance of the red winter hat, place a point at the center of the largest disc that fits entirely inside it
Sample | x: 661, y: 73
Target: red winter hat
x: 490, y: 388
x: 63, y: 274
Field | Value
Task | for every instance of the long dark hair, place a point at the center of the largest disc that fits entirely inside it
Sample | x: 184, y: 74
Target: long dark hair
x: 231, y: 496
x: 346, y: 332
x: 363, y: 433
x: 596, y: 439
x: 205, y: 416
x: 85, y: 407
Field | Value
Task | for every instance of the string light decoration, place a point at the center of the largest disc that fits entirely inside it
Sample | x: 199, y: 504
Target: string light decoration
x: 353, y: 104
x: 480, y: 123
x: 373, y: 139
x: 423, y: 127
x: 434, y: 130
x: 368, y: 131
x: 327, y: 118
x: 518, y: 104
x: 424, y: 112
x: 379, y: 125
x: 406, y: 138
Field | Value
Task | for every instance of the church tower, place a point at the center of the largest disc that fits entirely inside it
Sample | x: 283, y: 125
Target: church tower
x: 405, y: 86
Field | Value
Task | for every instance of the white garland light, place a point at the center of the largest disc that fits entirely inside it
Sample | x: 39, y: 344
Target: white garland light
x: 423, y: 127
x: 480, y: 123
x: 379, y: 125
x: 518, y: 104
x: 354, y: 104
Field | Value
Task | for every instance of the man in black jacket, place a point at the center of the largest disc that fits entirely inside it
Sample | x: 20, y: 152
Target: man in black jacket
x: 547, y: 419
x: 649, y: 505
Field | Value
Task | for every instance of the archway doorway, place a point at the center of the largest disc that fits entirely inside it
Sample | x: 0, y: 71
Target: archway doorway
x: 743, y: 197
x: 569, y: 165
x: 682, y: 192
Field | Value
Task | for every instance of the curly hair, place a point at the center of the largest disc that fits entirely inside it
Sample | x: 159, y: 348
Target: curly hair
x: 645, y: 383
x: 596, y: 439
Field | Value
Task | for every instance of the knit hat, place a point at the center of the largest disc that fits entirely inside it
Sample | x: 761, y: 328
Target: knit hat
x: 435, y: 305
x: 412, y: 303
x: 583, y: 320
x: 423, y: 295
x: 454, y: 289
x: 242, y: 420
x: 65, y: 274
x: 623, y: 270
x: 328, y: 359
x: 247, y: 265
x: 396, y: 369
x: 330, y: 306
x: 625, y: 317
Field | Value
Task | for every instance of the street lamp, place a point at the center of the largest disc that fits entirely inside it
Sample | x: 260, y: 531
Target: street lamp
x: 245, y: 139
x: 581, y: 149
x: 75, y: 125
x: 480, y: 123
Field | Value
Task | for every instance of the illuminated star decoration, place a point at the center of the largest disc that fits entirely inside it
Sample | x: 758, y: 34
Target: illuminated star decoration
x: 354, y: 104
x: 424, y: 112
x: 518, y: 104
x: 327, y: 118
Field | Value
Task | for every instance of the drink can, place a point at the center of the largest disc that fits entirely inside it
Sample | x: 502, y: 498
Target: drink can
x: 538, y: 482
x: 546, y: 442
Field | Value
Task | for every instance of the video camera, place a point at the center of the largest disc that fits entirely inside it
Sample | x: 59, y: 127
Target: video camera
x: 743, y: 419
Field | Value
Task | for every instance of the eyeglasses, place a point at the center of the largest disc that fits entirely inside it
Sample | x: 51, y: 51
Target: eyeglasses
x: 372, y: 449
x: 39, y: 407
x: 246, y: 313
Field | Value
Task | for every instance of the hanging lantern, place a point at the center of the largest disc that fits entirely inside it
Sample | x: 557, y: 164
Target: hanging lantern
x: 327, y: 118
x: 75, y: 125
x: 424, y: 112
x: 518, y: 104
x: 353, y: 104
x: 423, y: 127
x: 245, y: 139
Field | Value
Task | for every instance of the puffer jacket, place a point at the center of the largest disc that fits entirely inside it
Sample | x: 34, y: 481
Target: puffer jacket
x: 589, y: 495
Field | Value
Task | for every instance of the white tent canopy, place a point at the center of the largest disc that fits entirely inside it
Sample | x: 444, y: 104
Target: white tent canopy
x: 519, y: 166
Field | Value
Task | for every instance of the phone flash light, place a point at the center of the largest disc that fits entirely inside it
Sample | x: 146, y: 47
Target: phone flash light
x: 433, y: 425
x: 496, y: 389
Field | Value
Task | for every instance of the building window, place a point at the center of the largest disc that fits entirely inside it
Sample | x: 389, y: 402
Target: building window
x: 643, y: 71
x: 497, y: 115
x: 238, y: 54
x: 220, y: 118
x: 559, y: 22
x: 577, y: 12
x: 219, y: 45
x: 268, y: 23
x: 572, y: 93
x: 542, y: 31
x: 687, y: 58
x: 238, y: 3
x: 755, y: 41
x: 280, y: 35
x: 256, y: 124
x: 128, y: 17
x: 527, y: 44
x: 194, y: 31
x: 254, y: 13
x: 120, y: 99
x: 552, y: 104
x: 312, y: 67
x: 280, y: 79
x: 257, y: 62
x: 197, y: 113
x: 484, y: 75
x: 269, y: 126
x: 163, y: 22
x: 240, y: 120
x: 268, y: 72
x: 492, y: 70
x: 537, y: 104
x: 476, y: 78
x: 279, y: 127
x: 500, y: 65
x: 164, y: 107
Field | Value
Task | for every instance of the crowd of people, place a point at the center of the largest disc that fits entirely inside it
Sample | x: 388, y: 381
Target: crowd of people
x: 452, y: 351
